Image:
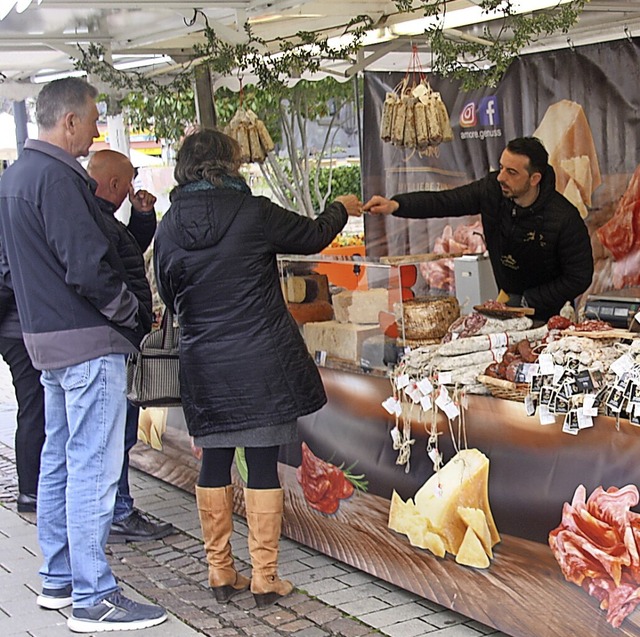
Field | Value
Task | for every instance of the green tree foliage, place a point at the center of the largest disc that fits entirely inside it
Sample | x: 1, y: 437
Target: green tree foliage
x: 303, y: 181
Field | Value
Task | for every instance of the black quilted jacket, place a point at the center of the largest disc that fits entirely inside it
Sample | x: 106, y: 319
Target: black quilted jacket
x: 243, y: 360
x: 542, y: 252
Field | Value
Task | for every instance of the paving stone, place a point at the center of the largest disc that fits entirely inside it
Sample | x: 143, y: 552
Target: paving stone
x: 350, y: 593
x: 411, y: 628
x: 482, y: 628
x: 311, y: 631
x: 392, y: 615
x: 446, y: 618
x: 347, y: 628
x: 363, y: 608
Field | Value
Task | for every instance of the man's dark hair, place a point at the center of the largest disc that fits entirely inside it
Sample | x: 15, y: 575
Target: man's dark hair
x: 209, y: 155
x: 60, y: 97
x: 532, y: 148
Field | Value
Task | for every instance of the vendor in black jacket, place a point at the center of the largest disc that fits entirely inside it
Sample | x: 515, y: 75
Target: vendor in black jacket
x: 538, y: 244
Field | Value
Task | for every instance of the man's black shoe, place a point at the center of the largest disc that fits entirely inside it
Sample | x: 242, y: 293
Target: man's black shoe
x: 138, y: 528
x: 27, y: 503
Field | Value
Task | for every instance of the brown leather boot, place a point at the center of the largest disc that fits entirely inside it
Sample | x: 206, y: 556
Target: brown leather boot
x: 215, y: 508
x: 264, y: 517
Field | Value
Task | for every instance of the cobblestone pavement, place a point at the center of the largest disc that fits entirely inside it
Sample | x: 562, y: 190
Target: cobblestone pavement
x: 331, y: 598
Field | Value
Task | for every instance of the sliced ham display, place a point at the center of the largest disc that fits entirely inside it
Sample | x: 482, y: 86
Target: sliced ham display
x: 621, y: 235
x: 596, y: 545
x: 466, y: 239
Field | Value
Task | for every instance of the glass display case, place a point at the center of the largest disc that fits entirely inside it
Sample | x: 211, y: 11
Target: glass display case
x: 359, y: 313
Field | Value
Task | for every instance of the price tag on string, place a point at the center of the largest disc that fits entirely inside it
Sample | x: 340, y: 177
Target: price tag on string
x: 447, y: 405
x: 589, y: 407
x: 426, y: 403
x: 546, y: 364
x: 584, y: 421
x: 546, y: 417
x: 446, y: 378
x: 402, y: 381
x: 425, y: 386
x: 413, y: 392
x: 529, y: 405
x: 622, y: 365
x: 558, y: 373
x: 392, y: 406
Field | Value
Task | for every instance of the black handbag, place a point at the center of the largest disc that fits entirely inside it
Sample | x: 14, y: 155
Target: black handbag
x: 153, y: 374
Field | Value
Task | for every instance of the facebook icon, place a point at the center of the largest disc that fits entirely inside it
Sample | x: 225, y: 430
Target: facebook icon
x: 488, y: 111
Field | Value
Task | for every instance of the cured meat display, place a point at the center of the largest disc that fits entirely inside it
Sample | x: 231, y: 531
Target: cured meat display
x: 465, y: 239
x: 621, y: 236
x: 596, y: 545
x: 324, y: 484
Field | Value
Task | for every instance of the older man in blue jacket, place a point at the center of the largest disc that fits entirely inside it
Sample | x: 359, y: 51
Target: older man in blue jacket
x: 79, y: 322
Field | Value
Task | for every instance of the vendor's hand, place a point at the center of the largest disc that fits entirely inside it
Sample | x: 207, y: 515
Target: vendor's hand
x: 142, y: 201
x: 352, y: 204
x: 379, y: 205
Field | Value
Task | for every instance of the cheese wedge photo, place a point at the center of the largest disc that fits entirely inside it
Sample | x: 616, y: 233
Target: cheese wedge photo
x: 462, y: 482
x: 476, y: 519
x: 471, y: 552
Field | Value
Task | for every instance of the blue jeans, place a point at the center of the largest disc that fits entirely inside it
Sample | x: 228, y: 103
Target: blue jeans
x: 124, y: 501
x: 81, y: 463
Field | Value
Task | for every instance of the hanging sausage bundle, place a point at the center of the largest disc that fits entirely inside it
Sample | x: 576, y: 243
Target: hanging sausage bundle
x: 414, y: 115
x: 252, y: 135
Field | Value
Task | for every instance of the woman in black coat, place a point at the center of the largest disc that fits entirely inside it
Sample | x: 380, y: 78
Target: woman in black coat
x: 245, y: 372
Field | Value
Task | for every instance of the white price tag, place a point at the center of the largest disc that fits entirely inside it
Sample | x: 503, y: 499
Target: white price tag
x: 546, y: 417
x: 419, y: 91
x: 435, y: 456
x: 395, y: 436
x: 392, y: 406
x: 546, y: 364
x: 451, y: 410
x: 446, y: 378
x: 497, y: 340
x: 402, y: 381
x: 558, y: 373
x: 622, y: 365
x: 413, y: 392
x: 426, y: 403
x: 588, y: 406
x: 529, y: 405
x: 443, y: 398
x: 584, y: 421
x: 425, y: 386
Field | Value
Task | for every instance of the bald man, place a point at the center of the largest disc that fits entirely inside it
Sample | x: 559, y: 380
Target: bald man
x: 114, y: 173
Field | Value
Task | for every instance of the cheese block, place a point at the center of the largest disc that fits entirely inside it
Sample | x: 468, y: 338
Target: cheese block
x: 341, y: 340
x: 405, y: 518
x: 579, y: 169
x: 360, y: 306
x: 462, y: 482
x: 420, y: 536
x: 471, y: 552
x: 476, y: 519
x: 303, y: 289
x: 152, y: 423
x: 572, y: 193
x: 566, y: 134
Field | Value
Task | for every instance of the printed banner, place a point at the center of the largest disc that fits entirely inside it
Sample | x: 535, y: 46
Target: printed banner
x: 580, y: 103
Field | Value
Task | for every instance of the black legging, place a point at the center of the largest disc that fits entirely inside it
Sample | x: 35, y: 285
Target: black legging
x: 262, y: 467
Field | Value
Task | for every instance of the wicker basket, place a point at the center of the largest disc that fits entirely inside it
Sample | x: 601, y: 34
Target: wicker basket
x: 505, y: 389
x: 429, y: 317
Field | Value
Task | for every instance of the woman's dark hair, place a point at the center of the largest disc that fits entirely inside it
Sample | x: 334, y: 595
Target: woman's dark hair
x: 532, y: 148
x: 69, y: 94
x: 207, y: 154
